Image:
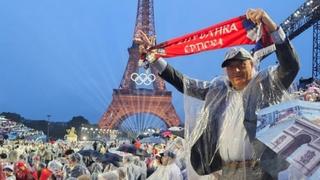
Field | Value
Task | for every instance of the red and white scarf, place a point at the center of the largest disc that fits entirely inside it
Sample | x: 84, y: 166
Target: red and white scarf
x: 233, y: 32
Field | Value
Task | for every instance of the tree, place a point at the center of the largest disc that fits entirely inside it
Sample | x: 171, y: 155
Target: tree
x: 12, y: 116
x: 77, y: 122
x: 40, y: 125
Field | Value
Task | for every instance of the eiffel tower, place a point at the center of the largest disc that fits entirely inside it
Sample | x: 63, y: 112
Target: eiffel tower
x: 128, y: 99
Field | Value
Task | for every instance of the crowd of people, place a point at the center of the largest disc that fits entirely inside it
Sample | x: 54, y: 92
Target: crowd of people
x: 13, y: 130
x: 30, y: 160
x: 310, y: 93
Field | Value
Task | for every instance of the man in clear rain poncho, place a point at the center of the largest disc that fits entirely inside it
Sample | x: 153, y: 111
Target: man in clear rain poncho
x: 222, y: 135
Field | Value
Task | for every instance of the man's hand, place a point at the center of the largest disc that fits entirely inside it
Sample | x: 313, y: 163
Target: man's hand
x: 260, y: 16
x: 145, y: 43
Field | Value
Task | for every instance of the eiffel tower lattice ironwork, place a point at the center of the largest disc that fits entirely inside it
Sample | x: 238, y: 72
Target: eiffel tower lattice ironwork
x: 128, y: 99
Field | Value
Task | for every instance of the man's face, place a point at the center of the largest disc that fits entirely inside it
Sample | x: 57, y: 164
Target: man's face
x: 239, y: 73
x: 164, y: 160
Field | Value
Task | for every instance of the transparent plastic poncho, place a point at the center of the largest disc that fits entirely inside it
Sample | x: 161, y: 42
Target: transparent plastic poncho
x: 167, y: 172
x: 55, y: 167
x: 178, y: 147
x: 111, y: 175
x: 134, y: 169
x: 77, y: 169
x: 95, y: 169
x: 220, y: 125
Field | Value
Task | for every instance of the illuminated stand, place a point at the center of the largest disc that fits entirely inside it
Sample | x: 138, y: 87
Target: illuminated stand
x: 93, y: 133
x: 71, y: 135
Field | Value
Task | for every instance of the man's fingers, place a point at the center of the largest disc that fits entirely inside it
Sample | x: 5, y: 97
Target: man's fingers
x: 255, y: 15
x: 138, y: 40
x: 153, y: 40
x: 142, y: 49
x: 140, y: 35
x: 256, y: 18
x: 259, y: 18
x: 259, y: 15
x: 249, y: 13
x: 144, y: 38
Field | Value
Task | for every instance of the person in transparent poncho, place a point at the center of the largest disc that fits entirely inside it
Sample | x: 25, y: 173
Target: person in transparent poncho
x: 134, y: 168
x: 168, y: 170
x: 222, y: 137
x: 75, y: 167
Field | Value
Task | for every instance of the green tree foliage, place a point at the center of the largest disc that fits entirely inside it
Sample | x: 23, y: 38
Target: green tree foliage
x: 12, y: 116
x: 77, y: 122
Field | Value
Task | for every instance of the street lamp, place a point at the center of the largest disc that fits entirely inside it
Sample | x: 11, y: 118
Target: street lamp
x: 48, y: 118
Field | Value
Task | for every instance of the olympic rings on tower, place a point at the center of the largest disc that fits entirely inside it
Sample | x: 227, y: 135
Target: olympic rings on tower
x: 143, y: 78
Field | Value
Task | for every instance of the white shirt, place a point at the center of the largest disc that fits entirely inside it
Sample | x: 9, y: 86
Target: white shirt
x: 233, y: 143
